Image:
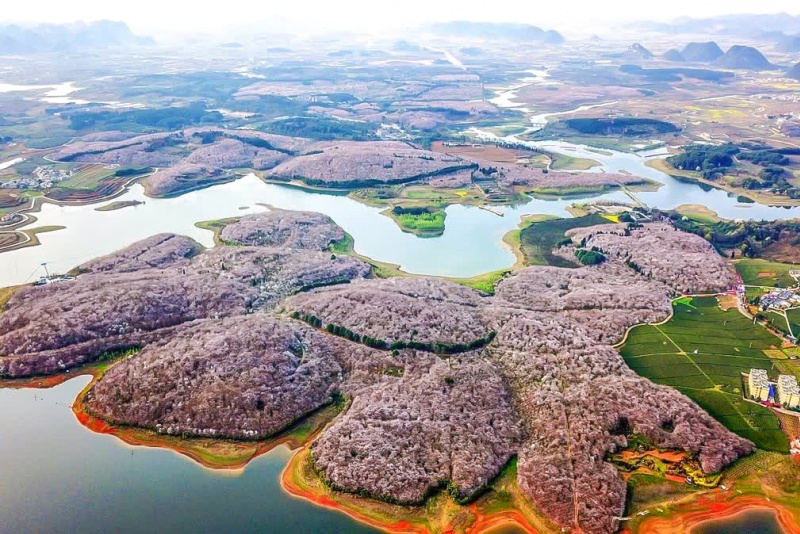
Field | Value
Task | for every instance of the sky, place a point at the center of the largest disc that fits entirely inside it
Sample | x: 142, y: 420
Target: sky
x: 161, y: 17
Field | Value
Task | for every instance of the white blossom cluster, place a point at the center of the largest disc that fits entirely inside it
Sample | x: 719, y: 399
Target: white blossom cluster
x: 346, y: 162
x: 222, y: 356
x: 685, y: 262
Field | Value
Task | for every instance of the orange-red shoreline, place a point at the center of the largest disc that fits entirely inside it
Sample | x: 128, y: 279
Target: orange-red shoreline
x: 482, y: 522
x: 153, y: 440
x: 707, y: 508
x: 717, y: 509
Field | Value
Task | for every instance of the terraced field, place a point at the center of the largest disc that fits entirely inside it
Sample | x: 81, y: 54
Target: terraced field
x: 702, y: 352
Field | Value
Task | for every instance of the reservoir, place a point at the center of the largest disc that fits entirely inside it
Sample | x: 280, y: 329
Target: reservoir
x: 58, y: 476
x: 471, y: 243
x: 749, y: 522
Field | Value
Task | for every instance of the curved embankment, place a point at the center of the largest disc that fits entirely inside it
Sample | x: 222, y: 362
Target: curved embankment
x: 298, y: 480
x: 211, y: 453
x: 21, y: 235
x: 769, y: 199
x: 716, y: 508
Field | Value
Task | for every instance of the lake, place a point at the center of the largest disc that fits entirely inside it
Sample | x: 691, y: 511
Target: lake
x: 58, y: 476
x: 758, y: 521
x: 471, y: 243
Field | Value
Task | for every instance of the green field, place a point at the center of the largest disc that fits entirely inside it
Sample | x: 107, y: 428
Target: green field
x: 779, y: 321
x: 538, y: 239
x: 756, y: 272
x: 424, y: 222
x: 564, y: 162
x: 702, y: 352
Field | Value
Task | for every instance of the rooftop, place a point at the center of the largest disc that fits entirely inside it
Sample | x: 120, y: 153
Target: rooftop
x: 788, y: 383
x: 759, y: 377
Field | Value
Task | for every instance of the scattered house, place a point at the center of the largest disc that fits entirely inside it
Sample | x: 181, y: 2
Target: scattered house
x: 9, y: 218
x: 780, y: 299
x: 43, y: 177
x: 53, y: 279
x: 758, y: 384
x: 788, y: 391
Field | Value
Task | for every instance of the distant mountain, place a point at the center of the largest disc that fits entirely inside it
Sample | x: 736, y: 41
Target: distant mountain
x: 702, y: 52
x: 794, y: 72
x: 789, y: 44
x: 673, y: 55
x: 16, y: 39
x: 639, y: 51
x: 498, y: 31
x: 757, y: 26
x: 745, y: 58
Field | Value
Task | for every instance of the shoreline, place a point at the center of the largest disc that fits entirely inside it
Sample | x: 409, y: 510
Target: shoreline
x: 439, y: 510
x: 24, y: 226
x: 214, y: 454
x: 292, y: 482
x: 715, y: 510
x: 661, y: 165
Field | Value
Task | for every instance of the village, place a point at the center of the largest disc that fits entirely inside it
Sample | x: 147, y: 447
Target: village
x: 43, y: 177
x: 782, y: 298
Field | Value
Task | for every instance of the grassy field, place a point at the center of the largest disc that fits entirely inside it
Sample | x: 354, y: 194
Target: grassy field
x: 216, y: 226
x: 702, y: 352
x: 698, y: 212
x: 538, y: 239
x: 483, y: 282
x: 427, y: 223
x: 757, y: 272
x: 788, y: 323
x: 563, y: 162
x: 87, y: 177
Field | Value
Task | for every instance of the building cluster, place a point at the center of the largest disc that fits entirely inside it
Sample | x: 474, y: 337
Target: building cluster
x: 10, y: 218
x: 42, y: 178
x: 780, y: 299
x: 785, y: 391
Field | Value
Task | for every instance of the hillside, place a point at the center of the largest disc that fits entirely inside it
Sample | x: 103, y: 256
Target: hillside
x: 702, y: 52
x: 16, y: 39
x: 789, y: 44
x: 444, y: 384
x: 673, y: 55
x: 639, y: 51
x: 620, y: 126
x: 744, y: 58
x: 794, y: 72
x: 503, y: 31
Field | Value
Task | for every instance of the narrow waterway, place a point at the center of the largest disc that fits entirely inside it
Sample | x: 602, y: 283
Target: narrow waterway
x: 470, y: 245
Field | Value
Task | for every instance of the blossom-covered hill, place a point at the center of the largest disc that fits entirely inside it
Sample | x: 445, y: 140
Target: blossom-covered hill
x: 446, y: 384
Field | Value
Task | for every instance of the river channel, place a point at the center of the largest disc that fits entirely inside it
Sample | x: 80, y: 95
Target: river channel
x: 471, y: 243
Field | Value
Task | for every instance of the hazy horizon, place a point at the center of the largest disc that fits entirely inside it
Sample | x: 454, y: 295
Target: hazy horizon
x: 310, y: 16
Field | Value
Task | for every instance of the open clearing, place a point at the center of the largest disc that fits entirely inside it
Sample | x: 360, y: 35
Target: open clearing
x: 757, y: 272
x: 702, y: 352
x: 538, y: 239
x: 492, y: 153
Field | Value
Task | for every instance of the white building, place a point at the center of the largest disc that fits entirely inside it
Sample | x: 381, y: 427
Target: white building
x: 758, y: 384
x: 788, y: 391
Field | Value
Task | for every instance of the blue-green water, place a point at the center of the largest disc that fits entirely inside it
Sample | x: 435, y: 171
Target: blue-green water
x: 471, y: 243
x: 752, y: 522
x: 56, y: 476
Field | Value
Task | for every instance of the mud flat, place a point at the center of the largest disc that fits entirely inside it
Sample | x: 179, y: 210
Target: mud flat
x: 120, y: 204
